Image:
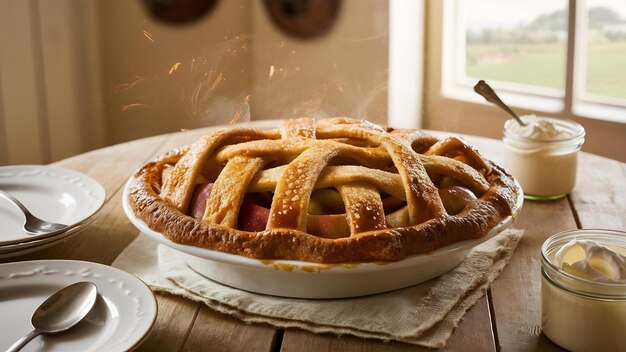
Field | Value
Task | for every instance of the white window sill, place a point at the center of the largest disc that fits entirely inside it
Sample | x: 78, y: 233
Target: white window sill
x: 600, y: 111
x: 538, y: 103
x: 550, y: 103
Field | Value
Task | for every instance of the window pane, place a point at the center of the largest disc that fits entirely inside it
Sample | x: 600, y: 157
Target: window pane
x: 516, y: 41
x: 606, y: 48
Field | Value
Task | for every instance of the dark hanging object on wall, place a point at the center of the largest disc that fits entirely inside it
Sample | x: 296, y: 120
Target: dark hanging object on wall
x: 304, y: 18
x: 179, y: 11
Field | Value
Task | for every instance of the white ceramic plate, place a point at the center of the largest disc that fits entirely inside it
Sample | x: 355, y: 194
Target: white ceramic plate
x: 26, y: 248
x: 14, y: 249
x: 122, y: 317
x: 30, y: 244
x: 290, y: 278
x: 50, y: 193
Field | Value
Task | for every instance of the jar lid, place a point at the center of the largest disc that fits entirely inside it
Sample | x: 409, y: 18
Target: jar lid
x: 575, y: 284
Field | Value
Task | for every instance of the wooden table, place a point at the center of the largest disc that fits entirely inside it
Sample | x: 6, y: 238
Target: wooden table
x: 507, y: 318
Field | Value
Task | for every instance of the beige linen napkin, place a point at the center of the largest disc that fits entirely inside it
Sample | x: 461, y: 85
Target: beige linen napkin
x: 423, y: 314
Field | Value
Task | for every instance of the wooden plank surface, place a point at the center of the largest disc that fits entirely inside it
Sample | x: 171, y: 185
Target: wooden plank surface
x: 598, y: 200
x: 600, y: 197
x: 217, y: 332
x: 175, y: 318
x: 516, y: 294
x: 112, y: 166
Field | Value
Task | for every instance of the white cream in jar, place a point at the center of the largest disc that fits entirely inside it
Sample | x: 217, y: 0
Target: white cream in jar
x: 584, y: 290
x: 543, y: 155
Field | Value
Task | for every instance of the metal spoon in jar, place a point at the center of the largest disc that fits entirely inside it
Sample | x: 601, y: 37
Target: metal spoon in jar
x: 61, y: 311
x: 34, y: 225
x: 486, y: 92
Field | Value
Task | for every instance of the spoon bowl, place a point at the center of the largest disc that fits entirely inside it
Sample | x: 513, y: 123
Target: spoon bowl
x: 34, y: 225
x: 61, y: 311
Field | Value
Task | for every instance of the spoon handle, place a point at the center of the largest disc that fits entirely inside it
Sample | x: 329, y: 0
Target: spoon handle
x: 490, y: 95
x: 15, y: 202
x: 19, y: 344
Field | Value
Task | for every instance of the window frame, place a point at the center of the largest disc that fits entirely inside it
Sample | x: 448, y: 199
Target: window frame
x: 449, y: 105
x: 573, y: 100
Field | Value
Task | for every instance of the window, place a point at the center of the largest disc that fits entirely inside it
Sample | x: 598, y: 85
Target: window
x: 559, y: 57
x: 605, y: 33
x: 525, y: 43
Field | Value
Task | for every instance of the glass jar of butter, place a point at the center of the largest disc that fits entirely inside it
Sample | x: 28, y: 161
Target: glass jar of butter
x: 584, y: 310
x: 543, y: 155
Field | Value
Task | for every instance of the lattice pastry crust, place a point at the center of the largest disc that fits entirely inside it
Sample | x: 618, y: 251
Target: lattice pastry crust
x: 443, y: 191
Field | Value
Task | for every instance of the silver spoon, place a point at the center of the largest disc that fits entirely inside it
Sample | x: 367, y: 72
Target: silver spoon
x: 486, y: 92
x: 34, y: 225
x: 60, y: 311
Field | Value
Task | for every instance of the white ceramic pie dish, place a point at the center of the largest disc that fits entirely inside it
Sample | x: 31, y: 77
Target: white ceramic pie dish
x: 299, y: 279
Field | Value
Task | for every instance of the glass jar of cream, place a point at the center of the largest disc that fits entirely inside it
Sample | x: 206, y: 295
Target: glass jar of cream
x: 543, y: 155
x: 583, y: 290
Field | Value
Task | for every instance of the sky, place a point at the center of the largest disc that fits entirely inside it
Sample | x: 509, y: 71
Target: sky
x: 508, y: 13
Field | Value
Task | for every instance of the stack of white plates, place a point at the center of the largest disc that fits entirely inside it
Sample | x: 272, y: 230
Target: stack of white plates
x: 50, y: 193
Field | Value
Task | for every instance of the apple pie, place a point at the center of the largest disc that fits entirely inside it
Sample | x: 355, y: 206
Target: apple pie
x: 328, y: 191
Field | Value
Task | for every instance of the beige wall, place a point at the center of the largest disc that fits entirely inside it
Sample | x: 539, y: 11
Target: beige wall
x: 160, y: 78
x: 83, y: 74
x: 80, y: 74
x: 342, y: 73
x: 49, y: 85
x: 227, y: 56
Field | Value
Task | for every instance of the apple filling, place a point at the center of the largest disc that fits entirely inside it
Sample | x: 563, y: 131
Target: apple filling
x: 326, y: 210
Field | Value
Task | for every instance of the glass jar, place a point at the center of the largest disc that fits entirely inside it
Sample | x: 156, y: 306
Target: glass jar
x: 544, y: 167
x: 579, y: 314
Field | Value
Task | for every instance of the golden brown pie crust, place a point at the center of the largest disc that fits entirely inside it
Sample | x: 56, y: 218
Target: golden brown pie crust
x: 356, y: 157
